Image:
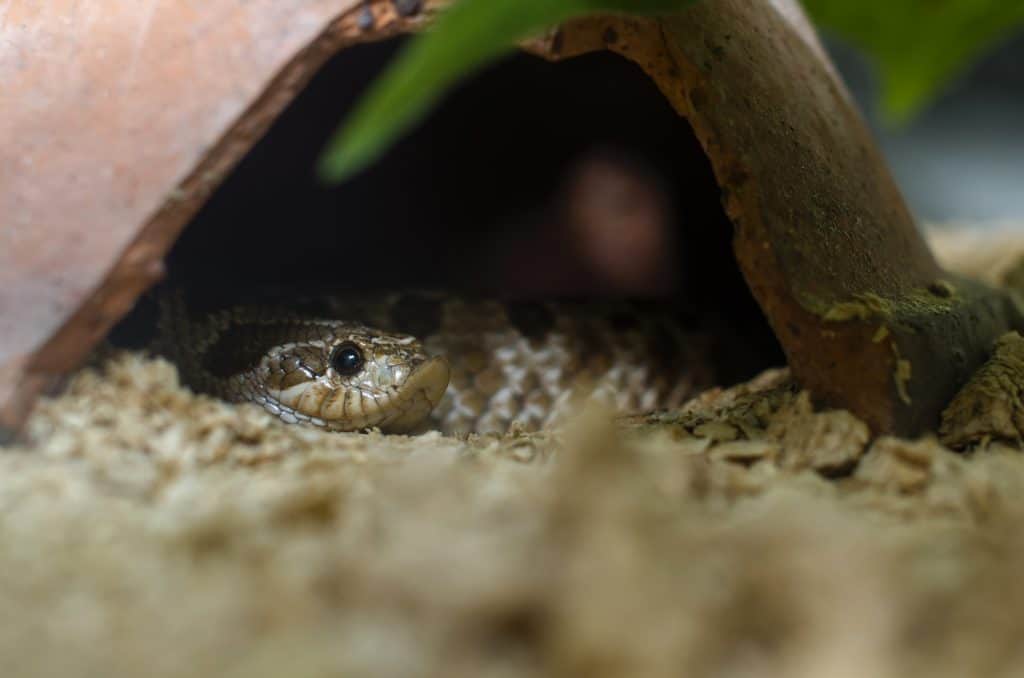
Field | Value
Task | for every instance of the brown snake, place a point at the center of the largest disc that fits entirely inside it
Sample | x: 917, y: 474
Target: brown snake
x: 419, y: 361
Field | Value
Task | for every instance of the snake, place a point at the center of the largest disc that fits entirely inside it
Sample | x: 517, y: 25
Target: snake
x: 408, y: 362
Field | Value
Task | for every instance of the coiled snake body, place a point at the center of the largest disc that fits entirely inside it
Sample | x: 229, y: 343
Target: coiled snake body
x: 415, y: 361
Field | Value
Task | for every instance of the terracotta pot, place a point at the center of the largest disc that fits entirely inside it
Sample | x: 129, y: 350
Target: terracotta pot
x: 120, y: 119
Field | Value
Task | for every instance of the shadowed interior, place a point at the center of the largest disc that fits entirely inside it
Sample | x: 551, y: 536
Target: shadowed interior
x: 486, y: 196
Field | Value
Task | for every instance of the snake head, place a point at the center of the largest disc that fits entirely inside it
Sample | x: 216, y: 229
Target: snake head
x: 350, y: 377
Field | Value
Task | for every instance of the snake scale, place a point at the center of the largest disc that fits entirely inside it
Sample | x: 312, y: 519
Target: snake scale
x: 414, y: 361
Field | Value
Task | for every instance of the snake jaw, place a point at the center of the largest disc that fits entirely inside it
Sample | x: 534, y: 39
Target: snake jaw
x: 402, y: 407
x: 395, y: 391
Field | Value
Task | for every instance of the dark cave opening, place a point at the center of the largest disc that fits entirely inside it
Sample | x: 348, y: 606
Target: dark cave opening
x: 486, y: 197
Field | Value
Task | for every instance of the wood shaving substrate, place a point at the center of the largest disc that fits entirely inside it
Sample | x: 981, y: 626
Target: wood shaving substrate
x: 148, y: 531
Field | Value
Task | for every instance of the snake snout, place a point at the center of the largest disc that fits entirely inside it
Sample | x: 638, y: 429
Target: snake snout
x: 422, y: 391
x: 432, y: 378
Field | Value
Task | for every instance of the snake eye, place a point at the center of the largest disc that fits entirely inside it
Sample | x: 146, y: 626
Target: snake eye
x: 347, y: 360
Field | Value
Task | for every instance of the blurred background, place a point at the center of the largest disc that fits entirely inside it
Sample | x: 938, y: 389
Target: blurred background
x: 961, y: 157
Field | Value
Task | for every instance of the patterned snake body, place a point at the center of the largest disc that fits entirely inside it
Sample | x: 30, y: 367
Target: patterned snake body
x: 414, y: 361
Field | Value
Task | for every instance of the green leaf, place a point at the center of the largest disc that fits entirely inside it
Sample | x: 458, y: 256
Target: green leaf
x: 918, y: 45
x: 465, y: 37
